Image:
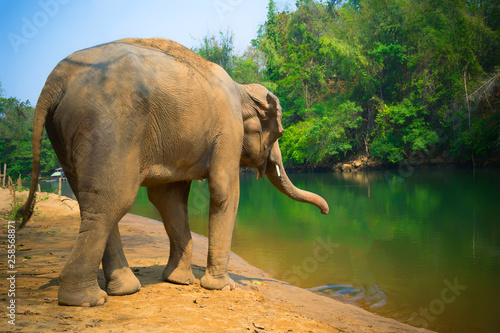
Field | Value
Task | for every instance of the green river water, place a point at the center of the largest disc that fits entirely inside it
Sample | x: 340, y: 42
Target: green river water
x: 422, y: 247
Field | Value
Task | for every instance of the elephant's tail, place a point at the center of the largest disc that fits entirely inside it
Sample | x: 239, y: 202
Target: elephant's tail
x: 47, y: 102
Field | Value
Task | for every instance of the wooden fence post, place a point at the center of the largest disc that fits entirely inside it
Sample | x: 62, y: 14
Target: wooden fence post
x: 4, y: 175
x: 13, y: 187
x: 9, y: 185
x: 59, y: 188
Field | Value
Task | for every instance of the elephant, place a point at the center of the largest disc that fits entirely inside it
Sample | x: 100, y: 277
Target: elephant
x: 152, y: 113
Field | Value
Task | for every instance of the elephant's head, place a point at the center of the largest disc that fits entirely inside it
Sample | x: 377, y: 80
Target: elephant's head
x: 262, y: 124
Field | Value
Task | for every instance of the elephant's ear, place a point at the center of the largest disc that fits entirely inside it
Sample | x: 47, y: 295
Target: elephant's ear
x: 262, y: 124
x: 274, y: 112
x: 261, y: 102
x: 271, y: 125
x: 272, y: 103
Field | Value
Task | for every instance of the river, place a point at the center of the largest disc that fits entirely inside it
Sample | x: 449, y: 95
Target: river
x: 422, y: 246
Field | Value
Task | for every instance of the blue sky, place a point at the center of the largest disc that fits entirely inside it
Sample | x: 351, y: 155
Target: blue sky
x: 36, y: 35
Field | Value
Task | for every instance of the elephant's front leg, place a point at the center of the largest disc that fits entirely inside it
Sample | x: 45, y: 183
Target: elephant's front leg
x: 171, y: 201
x: 224, y: 196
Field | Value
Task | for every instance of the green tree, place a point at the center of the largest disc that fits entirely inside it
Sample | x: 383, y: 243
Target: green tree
x: 250, y: 68
x: 270, y: 40
x: 401, y: 131
x: 218, y: 49
x: 409, y: 68
x: 327, y: 137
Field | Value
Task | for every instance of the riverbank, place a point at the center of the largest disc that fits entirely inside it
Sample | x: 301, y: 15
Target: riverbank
x: 364, y: 162
x: 259, y: 303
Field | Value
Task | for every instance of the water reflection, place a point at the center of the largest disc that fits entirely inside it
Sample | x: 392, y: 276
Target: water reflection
x: 398, y: 240
x: 53, y: 187
x: 357, y: 241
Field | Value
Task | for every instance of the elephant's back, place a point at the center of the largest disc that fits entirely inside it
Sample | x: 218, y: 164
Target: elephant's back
x: 136, y: 76
x: 175, y: 51
x: 139, y: 55
x: 134, y: 63
x: 143, y: 87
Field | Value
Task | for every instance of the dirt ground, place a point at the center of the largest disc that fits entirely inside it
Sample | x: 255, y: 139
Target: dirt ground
x: 258, y: 304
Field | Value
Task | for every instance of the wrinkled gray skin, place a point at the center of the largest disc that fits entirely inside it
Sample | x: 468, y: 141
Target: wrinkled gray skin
x: 152, y: 113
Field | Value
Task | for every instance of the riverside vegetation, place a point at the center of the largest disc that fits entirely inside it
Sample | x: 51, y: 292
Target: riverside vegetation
x: 401, y: 81
x: 391, y: 79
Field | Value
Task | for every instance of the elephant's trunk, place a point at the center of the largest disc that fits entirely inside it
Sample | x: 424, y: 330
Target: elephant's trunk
x: 278, y: 177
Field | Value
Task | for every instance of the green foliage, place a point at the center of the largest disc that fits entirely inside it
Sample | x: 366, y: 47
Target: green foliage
x: 400, y: 131
x: 324, y: 136
x: 16, y: 203
x: 250, y: 67
x: 218, y: 50
x: 14, y: 208
x: 245, y: 69
x: 270, y: 40
x: 481, y: 139
x: 406, y: 65
x: 378, y: 76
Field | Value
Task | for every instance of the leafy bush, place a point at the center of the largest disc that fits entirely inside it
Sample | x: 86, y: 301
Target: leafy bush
x: 401, y: 130
x: 326, y: 134
x: 482, y: 138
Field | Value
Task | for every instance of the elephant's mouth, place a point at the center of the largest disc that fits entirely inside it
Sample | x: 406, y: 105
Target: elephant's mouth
x: 261, y: 170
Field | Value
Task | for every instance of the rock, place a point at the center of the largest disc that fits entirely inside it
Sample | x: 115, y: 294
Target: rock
x: 346, y: 167
x: 260, y: 327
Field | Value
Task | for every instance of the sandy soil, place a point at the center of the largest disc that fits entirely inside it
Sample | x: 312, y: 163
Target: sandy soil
x: 259, y: 303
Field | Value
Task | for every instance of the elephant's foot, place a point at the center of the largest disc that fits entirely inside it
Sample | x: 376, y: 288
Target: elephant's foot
x: 77, y: 295
x: 178, y: 275
x: 217, y: 283
x: 122, y: 282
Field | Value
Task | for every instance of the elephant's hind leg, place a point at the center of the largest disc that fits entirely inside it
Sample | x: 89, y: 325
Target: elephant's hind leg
x: 120, y: 280
x: 171, y: 201
x: 101, y: 207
